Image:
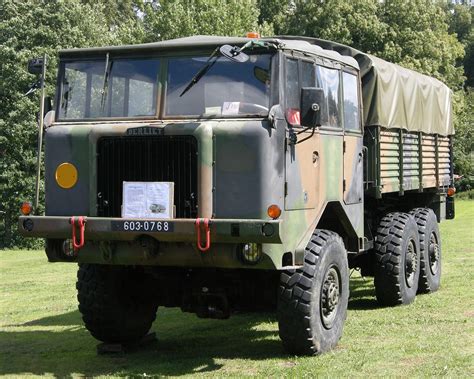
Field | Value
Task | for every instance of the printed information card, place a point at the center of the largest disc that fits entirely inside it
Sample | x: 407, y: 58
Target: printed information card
x: 148, y: 200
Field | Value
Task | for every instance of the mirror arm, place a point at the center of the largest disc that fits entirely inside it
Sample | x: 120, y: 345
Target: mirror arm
x: 294, y: 136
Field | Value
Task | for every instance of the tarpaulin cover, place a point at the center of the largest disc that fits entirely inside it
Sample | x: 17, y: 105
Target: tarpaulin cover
x: 397, y: 98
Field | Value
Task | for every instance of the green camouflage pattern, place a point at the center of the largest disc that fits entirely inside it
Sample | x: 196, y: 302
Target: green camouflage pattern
x: 244, y: 166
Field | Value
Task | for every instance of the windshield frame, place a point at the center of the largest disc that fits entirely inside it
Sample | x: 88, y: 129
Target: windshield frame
x: 163, y: 57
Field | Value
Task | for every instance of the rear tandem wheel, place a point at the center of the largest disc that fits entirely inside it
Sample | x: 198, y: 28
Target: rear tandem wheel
x: 397, y: 259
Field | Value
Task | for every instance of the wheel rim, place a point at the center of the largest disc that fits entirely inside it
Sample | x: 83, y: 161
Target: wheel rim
x: 434, y: 252
x: 411, y: 263
x: 330, y: 296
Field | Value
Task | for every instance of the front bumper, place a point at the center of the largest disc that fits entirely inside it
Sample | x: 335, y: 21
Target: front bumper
x: 103, y: 244
x: 184, y: 230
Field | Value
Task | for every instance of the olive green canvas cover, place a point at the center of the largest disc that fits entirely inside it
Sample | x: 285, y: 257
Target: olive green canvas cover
x: 395, y: 97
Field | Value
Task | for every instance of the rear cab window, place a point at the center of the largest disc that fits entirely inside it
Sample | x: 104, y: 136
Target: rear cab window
x: 350, y: 86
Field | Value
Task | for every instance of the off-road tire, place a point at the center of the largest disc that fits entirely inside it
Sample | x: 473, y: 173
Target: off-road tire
x: 304, y: 293
x: 430, y: 249
x: 397, y: 259
x: 115, y: 302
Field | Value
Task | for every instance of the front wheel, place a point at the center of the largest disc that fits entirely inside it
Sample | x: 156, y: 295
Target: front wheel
x: 312, y: 303
x: 116, y: 302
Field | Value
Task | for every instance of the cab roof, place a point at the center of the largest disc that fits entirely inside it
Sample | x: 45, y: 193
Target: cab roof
x: 283, y: 43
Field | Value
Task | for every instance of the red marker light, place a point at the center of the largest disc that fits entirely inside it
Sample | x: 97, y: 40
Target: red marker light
x: 26, y: 208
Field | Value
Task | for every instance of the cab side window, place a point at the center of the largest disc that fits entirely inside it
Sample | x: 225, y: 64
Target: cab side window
x: 292, y: 85
x: 298, y: 74
x: 351, y: 101
x: 328, y: 80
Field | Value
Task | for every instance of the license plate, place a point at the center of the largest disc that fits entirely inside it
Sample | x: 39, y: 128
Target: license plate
x: 142, y: 226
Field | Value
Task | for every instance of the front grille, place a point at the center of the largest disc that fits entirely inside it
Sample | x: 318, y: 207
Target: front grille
x: 147, y: 159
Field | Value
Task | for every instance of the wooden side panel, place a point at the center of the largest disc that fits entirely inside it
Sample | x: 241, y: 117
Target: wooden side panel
x: 389, y: 161
x: 444, y: 160
x: 405, y: 161
x: 411, y: 161
x: 429, y: 161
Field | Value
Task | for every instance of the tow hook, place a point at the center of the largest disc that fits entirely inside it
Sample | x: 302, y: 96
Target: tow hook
x: 81, y: 223
x: 207, y: 232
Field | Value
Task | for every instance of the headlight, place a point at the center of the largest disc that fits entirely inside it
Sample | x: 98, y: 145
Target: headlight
x: 251, y: 253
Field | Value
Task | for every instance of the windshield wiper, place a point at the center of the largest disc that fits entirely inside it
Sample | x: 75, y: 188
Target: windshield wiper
x: 105, y: 83
x: 234, y: 53
x: 203, y: 71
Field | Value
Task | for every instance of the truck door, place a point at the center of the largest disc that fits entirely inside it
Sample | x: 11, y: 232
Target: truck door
x: 353, y: 185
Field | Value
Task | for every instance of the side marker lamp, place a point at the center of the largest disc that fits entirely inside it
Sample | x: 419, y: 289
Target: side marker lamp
x: 451, y: 191
x: 26, y: 208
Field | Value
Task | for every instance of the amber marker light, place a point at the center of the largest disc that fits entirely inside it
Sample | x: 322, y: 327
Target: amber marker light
x: 451, y: 191
x: 274, y: 211
x: 26, y: 208
x: 252, y: 35
x: 66, y: 175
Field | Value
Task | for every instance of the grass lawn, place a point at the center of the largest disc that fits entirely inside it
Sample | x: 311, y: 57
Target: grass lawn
x: 41, y: 331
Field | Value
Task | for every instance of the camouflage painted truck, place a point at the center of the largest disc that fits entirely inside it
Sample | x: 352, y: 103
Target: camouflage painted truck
x: 293, y: 160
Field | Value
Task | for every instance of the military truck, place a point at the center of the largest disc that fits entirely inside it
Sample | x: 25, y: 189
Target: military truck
x: 291, y: 160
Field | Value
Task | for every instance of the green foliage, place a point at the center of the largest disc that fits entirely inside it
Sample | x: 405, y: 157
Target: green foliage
x: 464, y: 138
x: 180, y: 18
x: 461, y: 18
x: 413, y: 34
x: 354, y: 23
x: 29, y: 29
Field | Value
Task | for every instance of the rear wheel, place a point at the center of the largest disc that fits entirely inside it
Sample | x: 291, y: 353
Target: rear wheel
x: 312, y: 304
x: 430, y: 249
x: 397, y: 259
x: 116, y: 302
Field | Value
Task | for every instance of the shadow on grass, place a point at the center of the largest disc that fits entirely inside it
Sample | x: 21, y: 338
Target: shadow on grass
x: 362, y: 296
x: 60, y: 345
x: 185, y: 345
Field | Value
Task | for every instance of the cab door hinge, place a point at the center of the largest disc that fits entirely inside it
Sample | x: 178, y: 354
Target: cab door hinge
x: 343, y: 147
x: 344, y: 185
x: 286, y: 188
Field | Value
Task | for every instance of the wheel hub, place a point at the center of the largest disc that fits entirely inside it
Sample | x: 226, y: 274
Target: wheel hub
x: 434, y: 252
x: 411, y: 263
x: 330, y: 295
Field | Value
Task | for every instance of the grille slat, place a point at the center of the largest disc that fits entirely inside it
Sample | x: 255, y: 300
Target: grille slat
x: 146, y: 159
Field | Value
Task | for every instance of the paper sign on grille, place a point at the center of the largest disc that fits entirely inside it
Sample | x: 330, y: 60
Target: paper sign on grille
x: 148, y: 200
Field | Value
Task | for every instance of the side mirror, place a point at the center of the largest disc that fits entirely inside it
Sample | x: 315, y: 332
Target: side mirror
x: 35, y: 66
x: 312, y: 107
x: 235, y: 53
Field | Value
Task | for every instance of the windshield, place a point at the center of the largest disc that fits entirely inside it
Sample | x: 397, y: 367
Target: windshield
x: 227, y: 89
x: 129, y: 88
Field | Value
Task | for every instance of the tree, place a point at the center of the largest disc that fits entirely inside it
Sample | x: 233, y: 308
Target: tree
x: 413, y: 34
x: 179, y: 18
x: 418, y: 38
x: 354, y: 23
x: 29, y: 29
x: 460, y: 22
x: 464, y: 138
